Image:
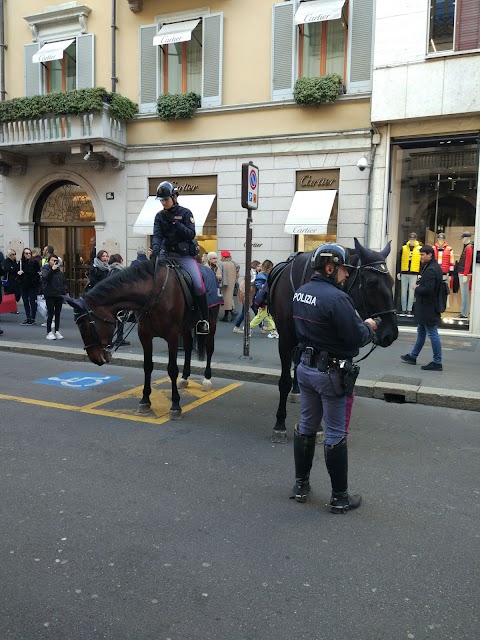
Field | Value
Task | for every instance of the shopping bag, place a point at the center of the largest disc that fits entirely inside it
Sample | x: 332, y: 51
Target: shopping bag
x: 42, y: 306
x: 8, y: 304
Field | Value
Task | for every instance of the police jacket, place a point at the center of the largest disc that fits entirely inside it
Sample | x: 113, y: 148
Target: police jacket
x: 174, y: 231
x: 326, y: 319
x: 53, y: 282
x: 425, y: 305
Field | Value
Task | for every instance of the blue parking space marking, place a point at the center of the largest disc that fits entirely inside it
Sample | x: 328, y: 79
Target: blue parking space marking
x: 77, y: 380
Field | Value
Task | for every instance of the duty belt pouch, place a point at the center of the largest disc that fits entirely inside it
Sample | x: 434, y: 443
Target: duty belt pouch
x: 296, y: 355
x: 322, y: 361
x: 349, y: 374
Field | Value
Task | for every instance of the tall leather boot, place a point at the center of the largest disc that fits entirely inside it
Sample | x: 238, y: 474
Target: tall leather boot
x: 303, y: 451
x: 336, y: 459
x: 225, y: 317
x: 203, y: 327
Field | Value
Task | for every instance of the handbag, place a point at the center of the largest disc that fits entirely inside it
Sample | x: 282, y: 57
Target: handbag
x: 42, y: 306
x: 8, y: 303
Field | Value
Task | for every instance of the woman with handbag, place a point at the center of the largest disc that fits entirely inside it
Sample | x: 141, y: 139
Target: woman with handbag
x: 29, y: 279
x: 10, y: 269
x: 54, y: 287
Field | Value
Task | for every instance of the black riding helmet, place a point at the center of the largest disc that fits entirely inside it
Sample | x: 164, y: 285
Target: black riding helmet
x: 166, y: 190
x: 328, y: 253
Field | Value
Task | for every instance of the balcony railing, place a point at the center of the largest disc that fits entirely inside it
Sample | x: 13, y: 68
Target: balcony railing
x: 69, y: 128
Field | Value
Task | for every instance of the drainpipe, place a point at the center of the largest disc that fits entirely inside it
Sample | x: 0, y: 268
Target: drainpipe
x: 3, y: 47
x: 114, y: 46
x: 375, y: 142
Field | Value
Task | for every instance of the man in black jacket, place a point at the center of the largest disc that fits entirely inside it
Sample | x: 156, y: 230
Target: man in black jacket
x: 426, y: 310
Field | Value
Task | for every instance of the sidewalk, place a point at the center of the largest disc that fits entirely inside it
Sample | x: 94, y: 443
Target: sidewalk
x: 383, y: 375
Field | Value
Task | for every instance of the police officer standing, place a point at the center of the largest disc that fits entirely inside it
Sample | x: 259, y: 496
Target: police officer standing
x: 329, y: 332
x: 173, y: 235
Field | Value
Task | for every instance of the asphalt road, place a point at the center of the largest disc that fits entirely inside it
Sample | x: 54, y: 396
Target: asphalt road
x: 120, y: 529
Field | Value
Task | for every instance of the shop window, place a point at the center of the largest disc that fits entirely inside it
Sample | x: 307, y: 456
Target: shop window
x: 181, y: 56
x: 454, y: 25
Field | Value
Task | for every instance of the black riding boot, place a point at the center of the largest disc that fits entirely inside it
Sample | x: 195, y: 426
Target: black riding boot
x: 225, y: 317
x: 336, y: 459
x: 303, y: 451
x: 203, y: 328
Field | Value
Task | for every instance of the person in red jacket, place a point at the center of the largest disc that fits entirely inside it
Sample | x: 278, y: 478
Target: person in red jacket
x: 465, y: 271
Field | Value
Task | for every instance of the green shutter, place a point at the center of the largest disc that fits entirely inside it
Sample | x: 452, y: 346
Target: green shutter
x: 32, y: 71
x: 85, y: 61
x: 283, y: 50
x: 148, y: 73
x: 212, y: 57
x: 360, y: 46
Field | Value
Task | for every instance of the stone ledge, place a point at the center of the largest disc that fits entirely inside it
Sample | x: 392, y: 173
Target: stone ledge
x: 454, y: 399
x: 407, y: 391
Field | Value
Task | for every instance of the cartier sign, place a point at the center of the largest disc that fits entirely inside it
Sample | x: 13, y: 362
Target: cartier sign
x: 194, y: 186
x: 315, y: 179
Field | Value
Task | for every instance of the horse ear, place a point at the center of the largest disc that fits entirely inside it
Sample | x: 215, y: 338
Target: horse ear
x: 73, y: 303
x: 360, y: 249
x: 386, y: 251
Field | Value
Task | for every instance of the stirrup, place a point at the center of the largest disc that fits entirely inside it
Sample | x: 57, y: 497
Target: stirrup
x: 202, y: 328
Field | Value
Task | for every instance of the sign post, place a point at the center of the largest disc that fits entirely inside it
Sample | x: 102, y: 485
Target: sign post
x: 249, y: 202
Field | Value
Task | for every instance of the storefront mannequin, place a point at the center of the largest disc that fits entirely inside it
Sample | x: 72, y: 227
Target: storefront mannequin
x: 444, y: 256
x: 465, y: 271
x: 409, y: 270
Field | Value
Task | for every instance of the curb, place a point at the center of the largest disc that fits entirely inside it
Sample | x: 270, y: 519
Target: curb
x: 378, y: 390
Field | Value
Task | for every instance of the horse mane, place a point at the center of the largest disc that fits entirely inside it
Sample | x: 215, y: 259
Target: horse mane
x: 136, y: 273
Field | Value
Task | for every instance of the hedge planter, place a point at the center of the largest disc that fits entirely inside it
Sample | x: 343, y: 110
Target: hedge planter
x: 177, y: 106
x: 316, y: 91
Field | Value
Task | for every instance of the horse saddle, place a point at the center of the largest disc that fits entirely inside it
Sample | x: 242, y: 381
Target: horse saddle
x: 185, y: 281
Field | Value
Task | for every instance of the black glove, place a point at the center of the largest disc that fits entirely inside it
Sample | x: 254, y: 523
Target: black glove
x: 169, y: 216
x: 154, y: 255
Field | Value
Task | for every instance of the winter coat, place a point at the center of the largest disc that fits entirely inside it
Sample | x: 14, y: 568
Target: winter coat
x: 53, y: 282
x: 425, y: 305
x: 229, y: 276
x: 10, y: 268
x: 30, y: 278
x: 98, y: 272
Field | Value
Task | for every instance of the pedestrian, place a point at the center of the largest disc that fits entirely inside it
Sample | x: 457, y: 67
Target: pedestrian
x: 329, y: 332
x: 141, y: 256
x: 255, y: 268
x: 229, y: 270
x: 174, y: 237
x: 263, y: 316
x: 98, y: 270
x: 426, y: 310
x: 54, y: 287
x: 212, y: 262
x: 115, y: 264
x: 11, y: 267
x: 29, y: 281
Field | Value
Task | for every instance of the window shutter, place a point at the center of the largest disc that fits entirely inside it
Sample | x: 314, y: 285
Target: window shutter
x: 212, y: 55
x: 85, y: 61
x: 33, y: 71
x: 468, y: 25
x: 360, y: 46
x: 283, y: 50
x: 148, y: 69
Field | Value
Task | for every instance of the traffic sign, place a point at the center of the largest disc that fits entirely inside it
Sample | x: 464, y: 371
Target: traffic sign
x: 249, y: 186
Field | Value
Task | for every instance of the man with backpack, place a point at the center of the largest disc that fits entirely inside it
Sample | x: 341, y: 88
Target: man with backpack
x: 426, y: 310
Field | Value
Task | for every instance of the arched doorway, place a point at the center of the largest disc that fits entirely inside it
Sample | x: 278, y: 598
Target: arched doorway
x: 64, y: 217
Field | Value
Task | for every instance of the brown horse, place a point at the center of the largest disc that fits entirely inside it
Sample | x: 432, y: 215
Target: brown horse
x: 157, y: 298
x: 370, y: 287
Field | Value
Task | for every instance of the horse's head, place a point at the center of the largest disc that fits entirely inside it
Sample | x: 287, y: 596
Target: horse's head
x: 96, y: 329
x: 370, y: 285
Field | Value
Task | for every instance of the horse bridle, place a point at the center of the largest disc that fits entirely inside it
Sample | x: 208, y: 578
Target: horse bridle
x: 370, y: 266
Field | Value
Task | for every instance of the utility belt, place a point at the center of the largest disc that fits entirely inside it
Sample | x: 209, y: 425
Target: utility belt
x: 325, y: 362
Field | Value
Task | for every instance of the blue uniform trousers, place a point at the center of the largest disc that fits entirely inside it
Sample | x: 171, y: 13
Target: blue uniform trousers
x: 319, y: 399
x: 193, y: 268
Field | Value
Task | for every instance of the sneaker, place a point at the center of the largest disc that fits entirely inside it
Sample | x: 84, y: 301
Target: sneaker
x: 27, y: 321
x: 31, y: 322
x: 237, y: 330
x: 58, y: 335
x: 265, y: 330
x: 273, y: 334
x: 51, y: 336
x: 432, y: 366
x: 408, y: 358
x: 44, y: 324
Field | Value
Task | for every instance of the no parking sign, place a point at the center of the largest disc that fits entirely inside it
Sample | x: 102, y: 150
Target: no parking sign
x: 249, y: 186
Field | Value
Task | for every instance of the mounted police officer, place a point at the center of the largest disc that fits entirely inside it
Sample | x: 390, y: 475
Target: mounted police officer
x: 173, y: 237
x: 329, y: 332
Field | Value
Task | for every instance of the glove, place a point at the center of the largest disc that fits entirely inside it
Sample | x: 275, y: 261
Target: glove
x: 168, y: 216
x: 398, y: 276
x: 154, y: 255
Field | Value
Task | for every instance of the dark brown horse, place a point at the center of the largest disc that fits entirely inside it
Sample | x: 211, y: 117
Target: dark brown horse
x: 369, y: 285
x: 157, y: 298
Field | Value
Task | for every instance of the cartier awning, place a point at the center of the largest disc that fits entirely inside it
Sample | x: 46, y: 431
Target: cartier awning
x: 199, y: 205
x: 51, y: 51
x: 175, y: 32
x: 310, y: 212
x: 319, y: 11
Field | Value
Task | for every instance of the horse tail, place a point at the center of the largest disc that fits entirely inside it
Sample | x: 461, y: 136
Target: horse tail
x: 201, y: 346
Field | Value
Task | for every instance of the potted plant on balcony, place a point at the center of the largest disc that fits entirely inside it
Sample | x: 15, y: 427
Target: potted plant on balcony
x: 175, y: 106
x: 315, y: 91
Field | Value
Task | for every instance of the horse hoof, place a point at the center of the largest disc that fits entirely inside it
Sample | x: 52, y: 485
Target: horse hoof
x: 176, y: 415
x: 182, y: 383
x: 144, y: 408
x: 294, y: 397
x: 206, y: 385
x: 279, y: 437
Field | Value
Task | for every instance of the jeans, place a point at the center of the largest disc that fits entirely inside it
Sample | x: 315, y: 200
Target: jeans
x: 465, y: 293
x: 431, y: 330
x: 29, y: 297
x: 408, y: 281
x: 54, y: 309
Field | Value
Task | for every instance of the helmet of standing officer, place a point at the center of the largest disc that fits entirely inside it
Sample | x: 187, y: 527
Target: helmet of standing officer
x: 166, y: 190
x: 330, y: 253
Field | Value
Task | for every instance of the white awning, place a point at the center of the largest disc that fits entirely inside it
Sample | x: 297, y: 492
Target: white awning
x: 175, y: 32
x: 310, y: 212
x: 52, y: 51
x: 319, y: 11
x: 199, y: 205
